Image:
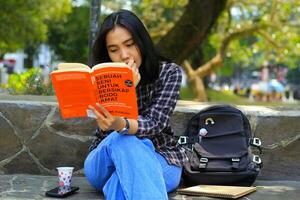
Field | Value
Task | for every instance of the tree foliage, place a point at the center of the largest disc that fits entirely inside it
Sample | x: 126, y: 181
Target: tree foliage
x: 69, y: 38
x: 276, y: 41
x: 252, y: 32
x: 160, y: 15
x: 25, y: 21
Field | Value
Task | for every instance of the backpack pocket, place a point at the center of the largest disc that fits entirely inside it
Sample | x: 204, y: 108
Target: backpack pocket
x: 218, y: 124
x: 202, y: 160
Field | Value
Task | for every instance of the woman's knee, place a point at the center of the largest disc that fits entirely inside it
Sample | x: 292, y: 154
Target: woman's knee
x: 172, y: 179
x: 171, y: 173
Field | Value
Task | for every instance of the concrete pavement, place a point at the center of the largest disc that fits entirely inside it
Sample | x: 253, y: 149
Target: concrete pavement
x: 20, y: 186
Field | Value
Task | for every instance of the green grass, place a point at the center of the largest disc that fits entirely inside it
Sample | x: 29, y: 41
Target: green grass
x: 187, y: 93
x: 224, y: 97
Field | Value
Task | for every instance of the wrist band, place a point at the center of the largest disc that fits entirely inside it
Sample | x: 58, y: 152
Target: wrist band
x: 126, y: 128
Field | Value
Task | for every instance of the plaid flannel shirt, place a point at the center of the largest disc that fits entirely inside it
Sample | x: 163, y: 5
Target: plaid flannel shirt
x: 156, y: 103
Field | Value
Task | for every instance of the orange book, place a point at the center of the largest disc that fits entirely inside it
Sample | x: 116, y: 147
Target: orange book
x: 111, y: 84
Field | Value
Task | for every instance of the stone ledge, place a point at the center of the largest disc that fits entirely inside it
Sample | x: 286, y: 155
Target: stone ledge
x: 34, y: 138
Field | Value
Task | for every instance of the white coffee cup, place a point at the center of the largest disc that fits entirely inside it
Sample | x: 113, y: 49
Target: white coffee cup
x: 65, y: 175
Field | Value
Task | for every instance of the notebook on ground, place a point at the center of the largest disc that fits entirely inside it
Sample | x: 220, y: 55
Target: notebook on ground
x: 232, y: 192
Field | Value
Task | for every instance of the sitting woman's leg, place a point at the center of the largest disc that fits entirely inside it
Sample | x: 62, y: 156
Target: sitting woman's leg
x: 112, y: 189
x: 132, y: 161
x: 171, y: 173
x: 98, y: 165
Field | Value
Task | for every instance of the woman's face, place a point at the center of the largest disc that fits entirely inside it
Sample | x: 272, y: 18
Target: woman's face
x: 121, y: 46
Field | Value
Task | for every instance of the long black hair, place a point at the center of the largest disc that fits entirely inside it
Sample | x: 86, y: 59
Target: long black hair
x: 149, y: 69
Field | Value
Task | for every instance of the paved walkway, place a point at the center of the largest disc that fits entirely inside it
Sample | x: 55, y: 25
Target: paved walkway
x: 34, y: 187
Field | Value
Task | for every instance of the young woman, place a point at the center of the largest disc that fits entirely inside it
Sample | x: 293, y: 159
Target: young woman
x: 136, y: 159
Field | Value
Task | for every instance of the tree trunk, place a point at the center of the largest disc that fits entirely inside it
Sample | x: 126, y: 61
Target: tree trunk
x: 191, y: 29
x: 205, y: 69
x: 199, y: 89
x: 196, y: 81
x: 30, y: 50
x: 95, y: 11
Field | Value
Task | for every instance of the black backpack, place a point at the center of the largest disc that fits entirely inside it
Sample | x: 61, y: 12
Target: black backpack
x: 218, y: 140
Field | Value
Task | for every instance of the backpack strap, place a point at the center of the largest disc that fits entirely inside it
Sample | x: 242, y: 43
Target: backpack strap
x: 203, y: 163
x: 256, y: 142
x: 186, y: 140
x: 256, y: 159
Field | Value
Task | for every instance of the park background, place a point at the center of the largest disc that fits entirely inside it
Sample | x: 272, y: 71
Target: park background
x: 238, y: 52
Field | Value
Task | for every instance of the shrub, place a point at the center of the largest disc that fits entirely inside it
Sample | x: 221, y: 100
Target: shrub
x: 30, y: 82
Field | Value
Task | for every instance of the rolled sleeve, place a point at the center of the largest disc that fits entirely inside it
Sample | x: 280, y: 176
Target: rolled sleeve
x: 163, y: 103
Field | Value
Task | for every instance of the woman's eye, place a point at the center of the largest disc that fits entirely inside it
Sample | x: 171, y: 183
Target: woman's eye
x: 113, y: 50
x: 130, y: 44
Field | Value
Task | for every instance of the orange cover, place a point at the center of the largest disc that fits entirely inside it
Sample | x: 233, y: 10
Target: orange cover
x: 110, y: 84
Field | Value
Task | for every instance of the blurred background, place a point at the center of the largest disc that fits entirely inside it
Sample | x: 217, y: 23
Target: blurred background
x: 231, y: 51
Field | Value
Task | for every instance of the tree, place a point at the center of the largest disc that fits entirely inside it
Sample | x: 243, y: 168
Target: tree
x: 24, y: 22
x: 217, y: 31
x: 69, y: 39
x: 159, y: 15
x: 267, y: 29
x: 189, y: 31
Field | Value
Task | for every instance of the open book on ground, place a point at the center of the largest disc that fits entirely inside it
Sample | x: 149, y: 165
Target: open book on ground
x: 110, y: 84
x: 231, y: 192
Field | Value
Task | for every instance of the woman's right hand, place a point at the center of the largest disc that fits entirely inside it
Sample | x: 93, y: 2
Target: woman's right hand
x: 105, y: 120
x: 135, y: 70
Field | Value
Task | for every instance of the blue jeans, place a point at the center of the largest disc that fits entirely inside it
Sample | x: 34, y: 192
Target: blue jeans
x: 126, y: 167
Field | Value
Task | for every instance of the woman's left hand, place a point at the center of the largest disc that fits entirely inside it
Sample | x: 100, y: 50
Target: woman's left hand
x: 105, y: 120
